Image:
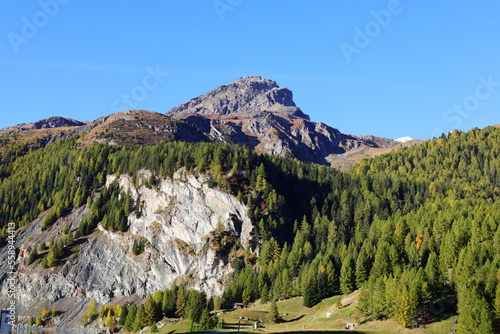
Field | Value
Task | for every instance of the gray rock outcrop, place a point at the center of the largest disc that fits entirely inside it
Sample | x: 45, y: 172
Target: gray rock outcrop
x: 258, y: 113
x: 245, y: 96
x: 176, y: 218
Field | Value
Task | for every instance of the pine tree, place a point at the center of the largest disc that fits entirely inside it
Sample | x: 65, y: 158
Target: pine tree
x: 169, y: 302
x: 32, y: 256
x: 150, y: 312
x: 433, y: 273
x: 274, y: 315
x: 207, y: 321
x: 405, y: 308
x: 347, y: 277
x: 109, y: 320
x: 45, y: 312
x: 246, y: 296
x: 474, y: 315
x: 130, y: 319
x: 197, y: 302
x: 497, y: 302
x: 362, y: 271
x: 180, y: 305
x: 123, y: 315
x: 90, y: 312
x: 264, y: 294
x: 139, y: 319
x: 51, y: 258
x: 311, y: 293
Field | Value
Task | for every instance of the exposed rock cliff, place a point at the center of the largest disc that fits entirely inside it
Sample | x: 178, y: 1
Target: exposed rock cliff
x: 248, y: 95
x: 176, y: 218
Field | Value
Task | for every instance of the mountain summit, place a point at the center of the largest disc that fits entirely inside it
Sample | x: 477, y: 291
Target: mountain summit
x: 250, y: 111
x: 258, y: 113
x: 245, y: 96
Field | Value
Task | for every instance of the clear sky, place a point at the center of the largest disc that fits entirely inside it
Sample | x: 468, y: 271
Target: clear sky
x: 384, y: 67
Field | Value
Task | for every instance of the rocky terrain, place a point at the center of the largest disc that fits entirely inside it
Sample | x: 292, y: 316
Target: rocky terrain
x: 180, y: 219
x: 251, y: 111
x: 49, y: 123
x: 258, y: 113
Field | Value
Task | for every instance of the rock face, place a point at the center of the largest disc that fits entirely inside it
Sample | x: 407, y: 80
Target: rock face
x: 176, y: 218
x: 49, y: 123
x: 246, y: 96
x: 56, y: 122
x: 258, y: 113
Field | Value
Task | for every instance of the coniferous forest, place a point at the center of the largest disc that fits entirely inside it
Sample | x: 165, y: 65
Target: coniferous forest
x: 415, y: 230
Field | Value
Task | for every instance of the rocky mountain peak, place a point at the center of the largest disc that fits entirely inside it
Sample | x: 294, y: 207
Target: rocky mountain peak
x: 48, y: 123
x: 56, y: 122
x: 245, y: 96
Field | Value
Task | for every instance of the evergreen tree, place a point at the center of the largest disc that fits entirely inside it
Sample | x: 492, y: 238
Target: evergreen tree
x: 207, y: 321
x: 347, y: 276
x: 32, y: 256
x: 405, y: 307
x: 130, y: 319
x: 362, y: 268
x: 197, y: 303
x: 311, y: 293
x: 274, y: 315
x: 51, y: 258
x: 246, y: 296
x: 45, y: 312
x: 90, y: 312
x: 150, y: 311
x: 181, y: 303
x: 264, y: 295
x: 139, y: 321
x: 123, y: 315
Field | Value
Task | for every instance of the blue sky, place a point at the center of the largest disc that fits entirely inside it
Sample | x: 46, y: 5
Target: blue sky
x: 384, y: 67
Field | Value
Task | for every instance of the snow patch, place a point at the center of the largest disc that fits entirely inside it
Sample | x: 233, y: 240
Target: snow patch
x: 404, y: 139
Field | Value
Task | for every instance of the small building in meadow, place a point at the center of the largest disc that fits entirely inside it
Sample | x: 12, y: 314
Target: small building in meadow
x: 350, y: 325
x: 239, y: 306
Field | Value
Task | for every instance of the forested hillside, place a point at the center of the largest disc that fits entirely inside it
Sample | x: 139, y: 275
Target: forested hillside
x: 416, y: 230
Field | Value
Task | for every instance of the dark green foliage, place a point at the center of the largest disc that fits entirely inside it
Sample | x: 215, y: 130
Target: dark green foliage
x: 32, y: 256
x: 404, y: 226
x: 274, y: 315
x: 130, y: 319
x: 123, y: 315
x: 139, y: 321
x: 207, y: 321
x: 45, y: 262
x: 347, y: 276
x: 175, y: 302
x: 311, y: 293
x: 138, y: 246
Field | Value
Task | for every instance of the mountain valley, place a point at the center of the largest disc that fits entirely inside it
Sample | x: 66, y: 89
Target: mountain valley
x: 229, y: 200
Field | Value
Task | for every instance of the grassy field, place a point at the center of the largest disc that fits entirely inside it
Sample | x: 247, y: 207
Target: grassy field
x: 325, y: 317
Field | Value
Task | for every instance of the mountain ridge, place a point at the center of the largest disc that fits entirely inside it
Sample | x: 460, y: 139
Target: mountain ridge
x: 250, y: 111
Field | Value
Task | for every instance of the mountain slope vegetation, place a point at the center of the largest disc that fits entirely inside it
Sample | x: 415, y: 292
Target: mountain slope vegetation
x: 416, y: 230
